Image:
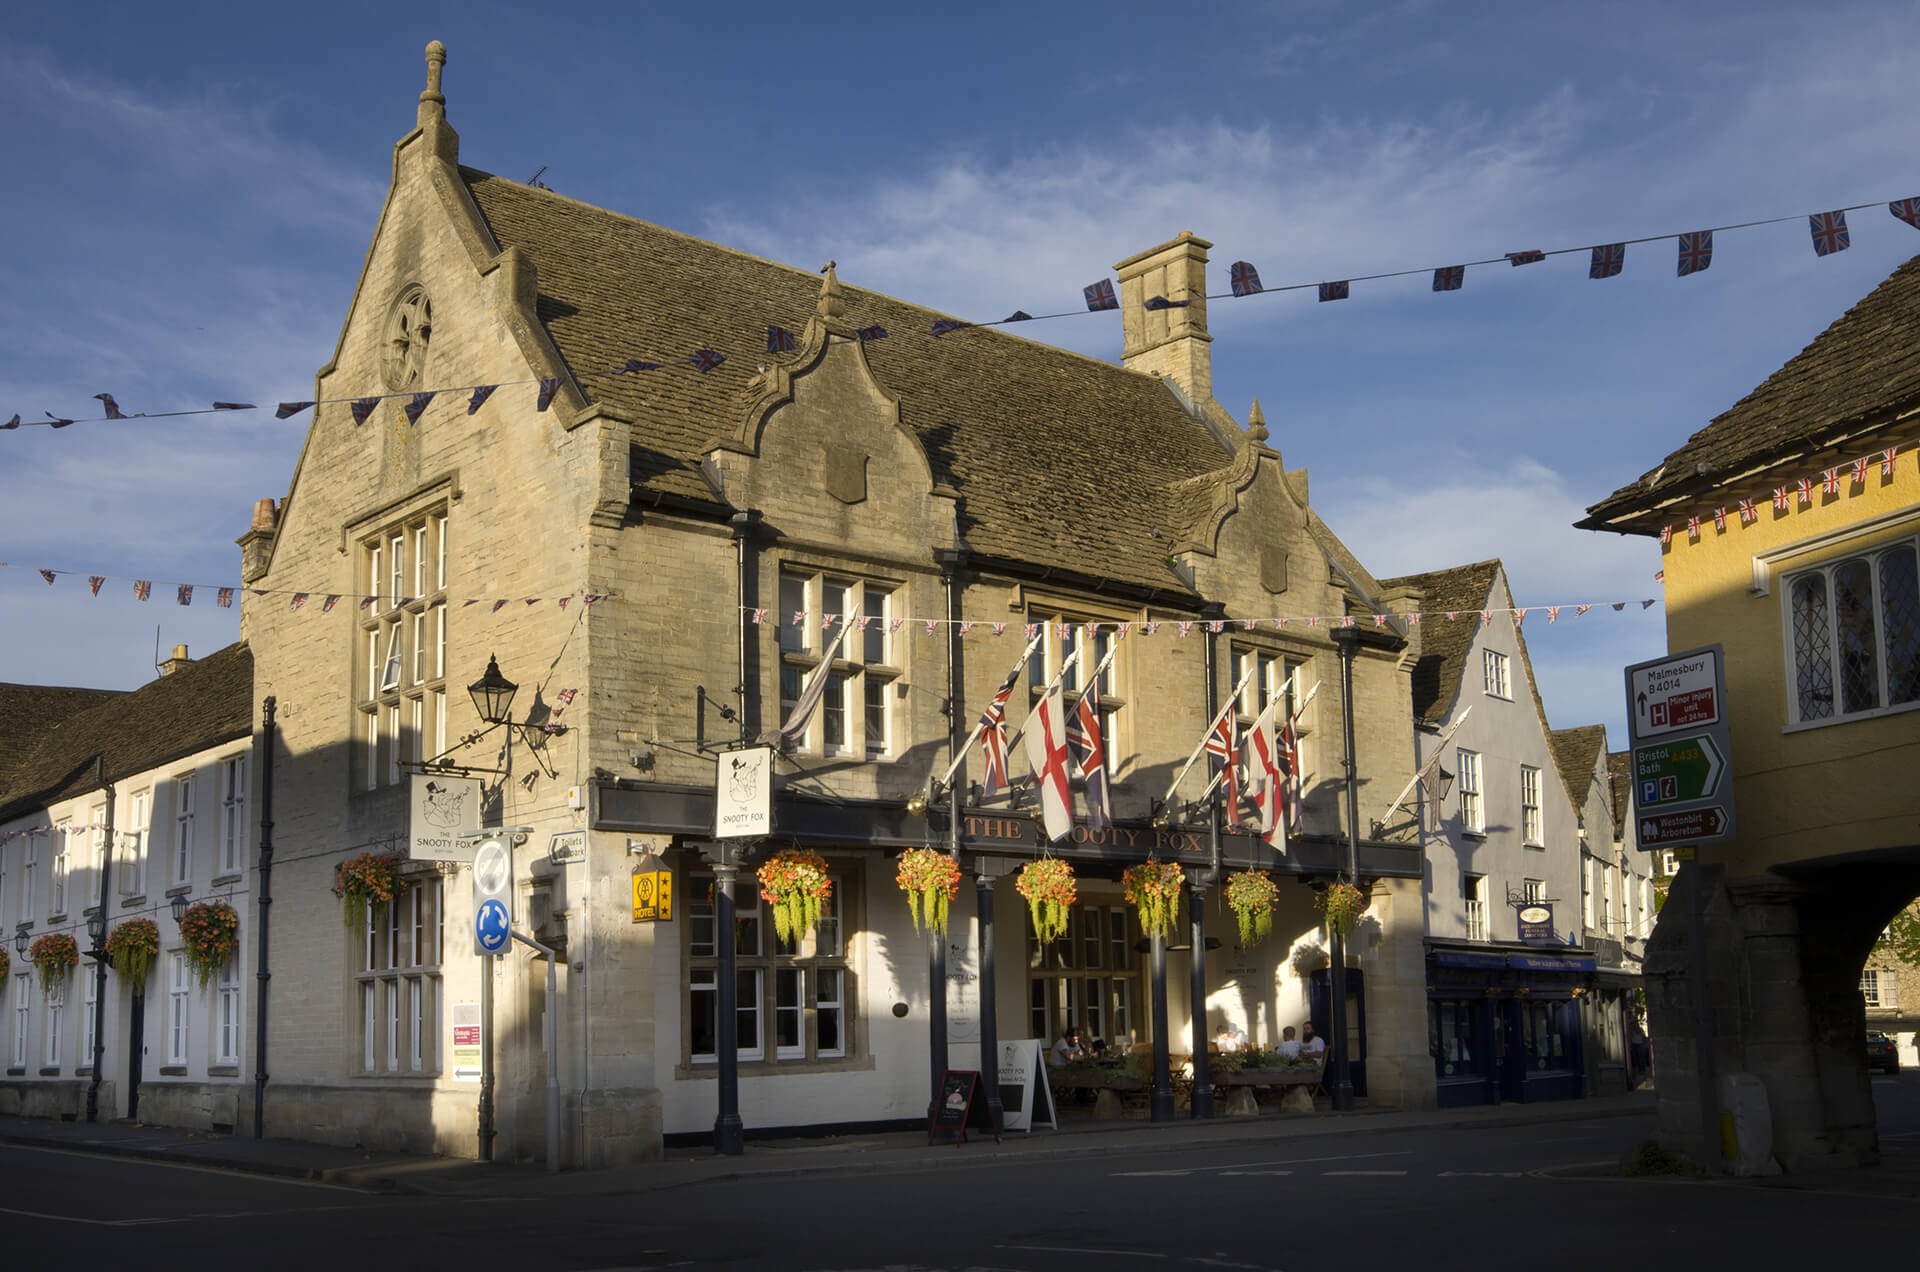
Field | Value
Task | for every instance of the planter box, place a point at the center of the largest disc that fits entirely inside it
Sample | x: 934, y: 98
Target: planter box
x: 1094, y: 1080
x: 1302, y: 1075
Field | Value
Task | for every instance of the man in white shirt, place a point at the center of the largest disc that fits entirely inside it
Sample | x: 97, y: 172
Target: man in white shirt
x: 1312, y: 1046
x: 1289, y: 1045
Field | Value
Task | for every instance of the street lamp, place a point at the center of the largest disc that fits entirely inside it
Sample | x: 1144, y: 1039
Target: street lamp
x: 20, y: 941
x: 493, y: 694
x: 96, y: 931
x: 179, y: 906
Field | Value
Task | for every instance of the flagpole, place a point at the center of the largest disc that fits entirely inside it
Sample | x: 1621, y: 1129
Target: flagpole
x: 1439, y: 753
x: 1253, y: 666
x: 974, y: 736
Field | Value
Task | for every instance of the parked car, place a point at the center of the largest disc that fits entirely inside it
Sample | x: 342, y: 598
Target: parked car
x: 1881, y: 1053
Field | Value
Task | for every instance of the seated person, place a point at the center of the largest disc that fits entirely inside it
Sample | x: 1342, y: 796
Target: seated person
x: 1068, y: 1048
x: 1289, y: 1045
x: 1230, y: 1038
x: 1312, y: 1046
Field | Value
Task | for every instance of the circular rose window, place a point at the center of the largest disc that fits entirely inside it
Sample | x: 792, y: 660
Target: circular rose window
x: 403, y: 355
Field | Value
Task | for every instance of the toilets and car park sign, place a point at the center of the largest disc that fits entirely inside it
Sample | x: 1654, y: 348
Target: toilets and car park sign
x: 1682, y: 756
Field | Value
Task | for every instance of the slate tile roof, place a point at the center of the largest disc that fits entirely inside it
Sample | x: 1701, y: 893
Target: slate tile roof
x: 206, y: 702
x: 1579, y: 753
x: 1056, y: 457
x: 1863, y: 367
x: 1619, y: 774
x: 30, y: 712
x: 1444, y: 645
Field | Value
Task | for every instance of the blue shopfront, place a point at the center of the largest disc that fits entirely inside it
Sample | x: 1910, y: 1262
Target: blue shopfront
x: 1504, y: 1025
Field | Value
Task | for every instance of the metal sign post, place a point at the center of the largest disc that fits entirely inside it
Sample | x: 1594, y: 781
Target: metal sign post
x: 492, y: 935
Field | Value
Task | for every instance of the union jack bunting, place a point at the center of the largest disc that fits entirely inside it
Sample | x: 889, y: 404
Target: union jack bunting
x: 1220, y: 750
x: 1413, y: 619
x: 48, y: 576
x: 1333, y: 291
x: 589, y: 598
x: 1245, y: 278
x: 438, y: 601
x: 1486, y: 618
x: 565, y: 696
x: 1280, y: 622
x: 233, y: 406
x: 1346, y: 620
x: 933, y: 625
x: 549, y: 385
x: 1121, y: 630
x: 1829, y: 231
x: 366, y: 603
x: 113, y: 407
x: 799, y: 618
x: 1696, y: 252
x: 417, y: 405
x: 1449, y: 277
x: 184, y: 594
x: 299, y: 599
x: 1830, y: 481
x: 1161, y: 302
x: 1089, y: 753
x: 480, y: 395
x: 1100, y: 296
x: 999, y: 629
x: 1214, y: 625
x: 362, y: 408
x: 1693, y: 529
x: 1452, y: 615
x: 860, y: 623
x: 1313, y: 622
x: 636, y: 364
x: 945, y: 325
x: 1153, y: 628
x: 1553, y: 613
x: 1532, y: 256
x: 759, y: 617
x: 1379, y: 620
x: 1659, y: 576
x: 1860, y: 471
x: 967, y: 627
x: 1666, y: 535
x: 563, y: 601
x: 993, y: 734
x: 1886, y: 461
x: 705, y: 360
x: 142, y: 589
x: 95, y: 580
x: 1093, y: 630
x: 1581, y: 610
x: 1186, y: 625
x: 1063, y: 630
x: 326, y: 606
x: 1519, y: 617
x: 1018, y: 315
x: 894, y: 625
x: 1907, y: 210
x: 1252, y: 624
x: 1719, y: 518
x: 1806, y: 491
x: 780, y: 340
x: 287, y: 409
x: 827, y: 621
x: 12, y: 423
x: 1747, y: 514
x: 1608, y: 260
x: 875, y: 332
x: 1780, y: 498
x: 497, y: 607
x: 1032, y: 630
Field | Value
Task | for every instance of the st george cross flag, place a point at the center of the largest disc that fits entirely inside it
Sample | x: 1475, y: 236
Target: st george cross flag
x: 1090, y: 756
x: 1907, y: 210
x: 793, y: 730
x: 417, y: 405
x: 1829, y: 230
x: 1220, y: 750
x: 1696, y: 252
x: 549, y: 385
x: 1449, y: 277
x: 1333, y: 291
x: 993, y: 733
x: 1266, y: 778
x: 1100, y: 296
x: 480, y: 395
x: 1608, y: 260
x: 1046, y: 740
x: 1245, y: 278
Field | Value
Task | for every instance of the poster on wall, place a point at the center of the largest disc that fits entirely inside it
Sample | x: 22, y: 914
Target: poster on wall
x: 443, y: 809
x: 465, y: 1053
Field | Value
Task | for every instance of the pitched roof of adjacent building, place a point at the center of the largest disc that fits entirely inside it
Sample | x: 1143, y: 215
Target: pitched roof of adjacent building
x: 1861, y: 371
x: 1578, y: 753
x: 29, y: 712
x: 1618, y: 766
x: 1444, y: 645
x: 204, y: 703
x: 1057, y: 457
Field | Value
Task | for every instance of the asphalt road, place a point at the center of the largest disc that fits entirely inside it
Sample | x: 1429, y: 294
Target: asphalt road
x: 1432, y: 1200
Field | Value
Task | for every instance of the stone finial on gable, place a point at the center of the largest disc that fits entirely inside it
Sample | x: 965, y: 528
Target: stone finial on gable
x: 832, y: 302
x: 1256, y: 423
x: 433, y: 102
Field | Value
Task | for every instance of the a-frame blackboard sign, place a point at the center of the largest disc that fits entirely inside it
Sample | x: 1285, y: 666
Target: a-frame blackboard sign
x: 954, y: 1107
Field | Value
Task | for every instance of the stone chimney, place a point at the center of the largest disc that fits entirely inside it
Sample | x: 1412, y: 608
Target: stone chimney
x: 1170, y: 342
x: 256, y: 545
x: 176, y: 662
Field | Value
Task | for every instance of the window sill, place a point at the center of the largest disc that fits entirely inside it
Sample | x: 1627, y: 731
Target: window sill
x: 1473, y: 834
x: 173, y: 1070
x: 1535, y: 847
x: 55, y: 920
x: 223, y: 1071
x: 49, y: 1070
x: 84, y: 1071
x: 133, y: 902
x: 180, y: 890
x: 16, y: 1073
x: 222, y: 880
x: 1858, y: 716
x: 768, y: 1068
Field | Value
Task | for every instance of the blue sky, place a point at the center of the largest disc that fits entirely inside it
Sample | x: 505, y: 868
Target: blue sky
x: 192, y: 187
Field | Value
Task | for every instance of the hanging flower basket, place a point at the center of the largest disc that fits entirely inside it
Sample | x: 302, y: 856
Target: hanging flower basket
x: 211, y: 931
x: 1153, y: 888
x: 1340, y: 905
x: 131, y: 949
x: 54, y: 955
x: 931, y: 879
x: 368, y: 880
x: 794, y: 882
x: 1252, y: 896
x: 1048, y: 886
x: 6, y: 961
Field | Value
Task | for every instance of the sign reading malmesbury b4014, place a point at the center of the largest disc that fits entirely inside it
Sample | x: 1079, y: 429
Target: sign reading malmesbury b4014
x: 1682, y: 756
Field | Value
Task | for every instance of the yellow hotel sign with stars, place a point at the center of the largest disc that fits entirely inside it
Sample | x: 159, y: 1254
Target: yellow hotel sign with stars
x: 652, y: 893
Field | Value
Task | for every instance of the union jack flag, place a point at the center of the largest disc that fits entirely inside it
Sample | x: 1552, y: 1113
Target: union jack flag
x: 1413, y: 619
x: 1100, y: 296
x: 1452, y: 615
x: 875, y: 332
x: 1666, y: 535
x: 1121, y: 629
x: 95, y: 580
x: 1346, y: 620
x: 366, y: 603
x: 1449, y: 277
x: 1532, y: 256
x: 1032, y: 630
x: 1063, y: 630
x: 1553, y: 613
x: 1379, y: 620
x: 1161, y: 302
x: 1747, y: 513
x: 827, y: 621
x: 945, y: 325
x: 933, y: 625
x: 1153, y: 628
x: 497, y: 607
x: 480, y: 395
x: 1252, y: 624
x: 589, y: 598
x: 1693, y: 529
x: 1860, y: 471
x: 1519, y: 617
x: 48, y: 576
x: 706, y: 360
x: 1215, y: 625
x: 1018, y: 315
x: 1830, y: 481
x: 780, y: 340
x: 12, y: 423
x: 1829, y: 231
x: 993, y: 734
x: 1907, y: 210
x: 1245, y: 278
x: 1608, y: 260
x: 999, y: 629
x: 1886, y: 461
x: 417, y: 405
x: 549, y: 385
x: 636, y: 364
x: 113, y: 407
x: 565, y: 696
x: 1220, y: 750
x: 299, y: 599
x: 1806, y: 491
x: 895, y: 624
x: 1486, y: 618
x: 1581, y: 610
x: 1780, y: 498
x: 1719, y: 518
x: 142, y: 589
x: 1333, y: 291
x: 362, y: 408
x: 184, y: 595
x: 286, y: 409
x: 1696, y: 252
x: 1089, y: 752
x: 1289, y: 758
x: 966, y: 627
x: 565, y: 599
x: 326, y: 606
x: 799, y: 618
x: 1186, y: 626
x: 224, y: 598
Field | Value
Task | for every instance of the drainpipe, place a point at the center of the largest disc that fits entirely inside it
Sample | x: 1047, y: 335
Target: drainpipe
x: 263, y: 975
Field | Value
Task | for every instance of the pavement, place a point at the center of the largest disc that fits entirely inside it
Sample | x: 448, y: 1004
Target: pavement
x: 893, y: 1152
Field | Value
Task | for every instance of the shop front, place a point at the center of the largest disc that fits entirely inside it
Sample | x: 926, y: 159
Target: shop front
x: 1504, y: 1026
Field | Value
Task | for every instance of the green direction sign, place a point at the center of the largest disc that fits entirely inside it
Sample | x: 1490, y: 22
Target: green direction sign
x: 1678, y: 771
